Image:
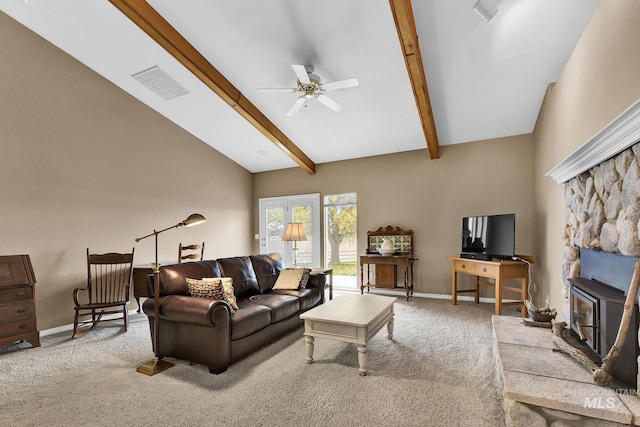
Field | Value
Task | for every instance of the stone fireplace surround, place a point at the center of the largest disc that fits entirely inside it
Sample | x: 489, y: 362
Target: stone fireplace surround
x: 602, y: 198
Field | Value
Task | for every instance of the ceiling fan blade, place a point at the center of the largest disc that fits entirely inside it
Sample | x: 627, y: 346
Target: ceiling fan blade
x: 296, y: 106
x: 340, y: 84
x: 276, y: 90
x: 334, y: 105
x: 301, y: 74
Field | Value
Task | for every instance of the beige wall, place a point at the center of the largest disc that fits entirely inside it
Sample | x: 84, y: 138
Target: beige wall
x: 84, y: 164
x: 598, y: 83
x: 428, y: 196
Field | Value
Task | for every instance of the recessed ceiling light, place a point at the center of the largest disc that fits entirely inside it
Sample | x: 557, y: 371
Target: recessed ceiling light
x: 262, y: 152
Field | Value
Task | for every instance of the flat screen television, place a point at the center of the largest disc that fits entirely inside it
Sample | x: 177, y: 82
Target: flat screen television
x: 489, y: 236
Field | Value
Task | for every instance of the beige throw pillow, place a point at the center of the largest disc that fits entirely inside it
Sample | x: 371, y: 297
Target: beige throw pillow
x: 292, y: 279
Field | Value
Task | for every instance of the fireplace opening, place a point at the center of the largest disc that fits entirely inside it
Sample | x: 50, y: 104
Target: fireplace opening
x: 585, y: 320
x: 596, y: 301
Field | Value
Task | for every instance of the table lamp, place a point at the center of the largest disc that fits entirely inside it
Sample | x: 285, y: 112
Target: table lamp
x: 294, y: 233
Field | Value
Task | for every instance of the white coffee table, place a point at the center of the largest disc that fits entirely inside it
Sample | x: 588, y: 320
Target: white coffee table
x: 353, y: 318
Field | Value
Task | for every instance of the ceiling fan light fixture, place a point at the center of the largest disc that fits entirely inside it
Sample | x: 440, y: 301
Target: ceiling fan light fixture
x: 310, y: 86
x: 486, y: 9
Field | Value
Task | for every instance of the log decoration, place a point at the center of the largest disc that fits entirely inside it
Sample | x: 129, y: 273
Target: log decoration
x: 536, y: 324
x: 603, y: 375
x: 558, y: 329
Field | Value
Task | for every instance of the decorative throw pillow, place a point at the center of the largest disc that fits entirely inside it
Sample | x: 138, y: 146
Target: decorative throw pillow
x: 305, y: 277
x: 292, y: 279
x: 208, y: 289
x: 227, y: 283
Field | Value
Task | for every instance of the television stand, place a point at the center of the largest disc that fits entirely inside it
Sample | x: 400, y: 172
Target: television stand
x: 496, y: 270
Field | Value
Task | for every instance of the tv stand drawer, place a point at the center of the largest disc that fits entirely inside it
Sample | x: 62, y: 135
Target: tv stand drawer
x: 486, y: 270
x: 466, y: 266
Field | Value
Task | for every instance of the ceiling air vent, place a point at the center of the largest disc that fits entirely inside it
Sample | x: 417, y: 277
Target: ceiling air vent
x: 161, y: 83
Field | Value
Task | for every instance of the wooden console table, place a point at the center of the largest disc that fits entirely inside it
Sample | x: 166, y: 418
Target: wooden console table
x: 497, y: 270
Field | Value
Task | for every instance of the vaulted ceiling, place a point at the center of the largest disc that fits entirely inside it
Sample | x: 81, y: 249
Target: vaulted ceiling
x: 485, y: 80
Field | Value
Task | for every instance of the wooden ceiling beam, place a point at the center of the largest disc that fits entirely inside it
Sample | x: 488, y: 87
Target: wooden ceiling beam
x: 152, y: 23
x: 406, y: 26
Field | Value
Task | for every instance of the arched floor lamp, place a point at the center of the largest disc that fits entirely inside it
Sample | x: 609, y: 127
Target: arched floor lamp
x: 157, y: 364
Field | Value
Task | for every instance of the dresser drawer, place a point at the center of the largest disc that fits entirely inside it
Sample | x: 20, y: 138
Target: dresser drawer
x: 19, y: 293
x: 464, y: 266
x: 486, y: 270
x: 18, y: 327
x: 16, y: 310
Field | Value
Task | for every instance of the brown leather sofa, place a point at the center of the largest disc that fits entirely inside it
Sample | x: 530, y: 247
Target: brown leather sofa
x: 204, y: 331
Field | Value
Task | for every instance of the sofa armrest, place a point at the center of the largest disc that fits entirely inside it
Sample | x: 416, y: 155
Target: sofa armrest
x: 317, y: 279
x: 192, y: 310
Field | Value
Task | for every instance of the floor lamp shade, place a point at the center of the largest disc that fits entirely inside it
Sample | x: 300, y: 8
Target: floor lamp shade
x: 158, y: 365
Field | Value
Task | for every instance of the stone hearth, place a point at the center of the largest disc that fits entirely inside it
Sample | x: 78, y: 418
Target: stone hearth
x: 542, y: 387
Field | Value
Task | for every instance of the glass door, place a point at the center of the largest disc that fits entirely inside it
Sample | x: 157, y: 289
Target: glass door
x: 341, y: 231
x: 276, y: 213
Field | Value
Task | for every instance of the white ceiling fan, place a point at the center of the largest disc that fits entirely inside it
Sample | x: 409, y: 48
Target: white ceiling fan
x: 310, y: 86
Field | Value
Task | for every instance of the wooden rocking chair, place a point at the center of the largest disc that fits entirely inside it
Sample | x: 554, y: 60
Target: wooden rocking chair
x: 108, y: 283
x: 190, y: 248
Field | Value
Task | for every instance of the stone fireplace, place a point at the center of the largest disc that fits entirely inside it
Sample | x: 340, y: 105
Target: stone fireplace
x: 601, y: 232
x: 602, y: 199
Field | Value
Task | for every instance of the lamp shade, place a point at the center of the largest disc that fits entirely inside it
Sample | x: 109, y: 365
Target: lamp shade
x: 295, y: 232
x: 486, y: 9
x: 194, y: 219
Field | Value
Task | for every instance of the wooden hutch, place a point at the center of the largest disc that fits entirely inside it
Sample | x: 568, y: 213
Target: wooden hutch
x: 386, y: 266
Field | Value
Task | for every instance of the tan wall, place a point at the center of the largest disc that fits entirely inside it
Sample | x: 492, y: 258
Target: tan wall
x: 598, y: 83
x: 428, y: 196
x: 84, y: 164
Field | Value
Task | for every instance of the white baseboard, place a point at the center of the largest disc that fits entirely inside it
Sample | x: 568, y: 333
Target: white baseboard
x: 400, y: 292
x: 69, y: 327
x: 395, y: 293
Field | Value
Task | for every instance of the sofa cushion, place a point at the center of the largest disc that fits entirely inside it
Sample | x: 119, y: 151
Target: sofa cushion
x: 266, y: 267
x: 241, y: 271
x: 281, y: 306
x: 172, y: 277
x: 249, y: 318
x: 308, y: 297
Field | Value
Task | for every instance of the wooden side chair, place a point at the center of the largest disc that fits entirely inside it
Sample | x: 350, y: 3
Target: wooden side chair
x: 190, y: 252
x: 107, y: 291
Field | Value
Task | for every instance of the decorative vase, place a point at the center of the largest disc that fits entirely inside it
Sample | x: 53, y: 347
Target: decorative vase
x: 387, y: 247
x: 386, y: 244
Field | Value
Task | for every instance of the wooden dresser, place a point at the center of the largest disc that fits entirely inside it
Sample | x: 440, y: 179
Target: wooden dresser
x: 17, y: 301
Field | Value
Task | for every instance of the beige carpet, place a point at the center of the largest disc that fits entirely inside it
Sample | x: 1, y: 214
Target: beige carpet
x: 438, y: 371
